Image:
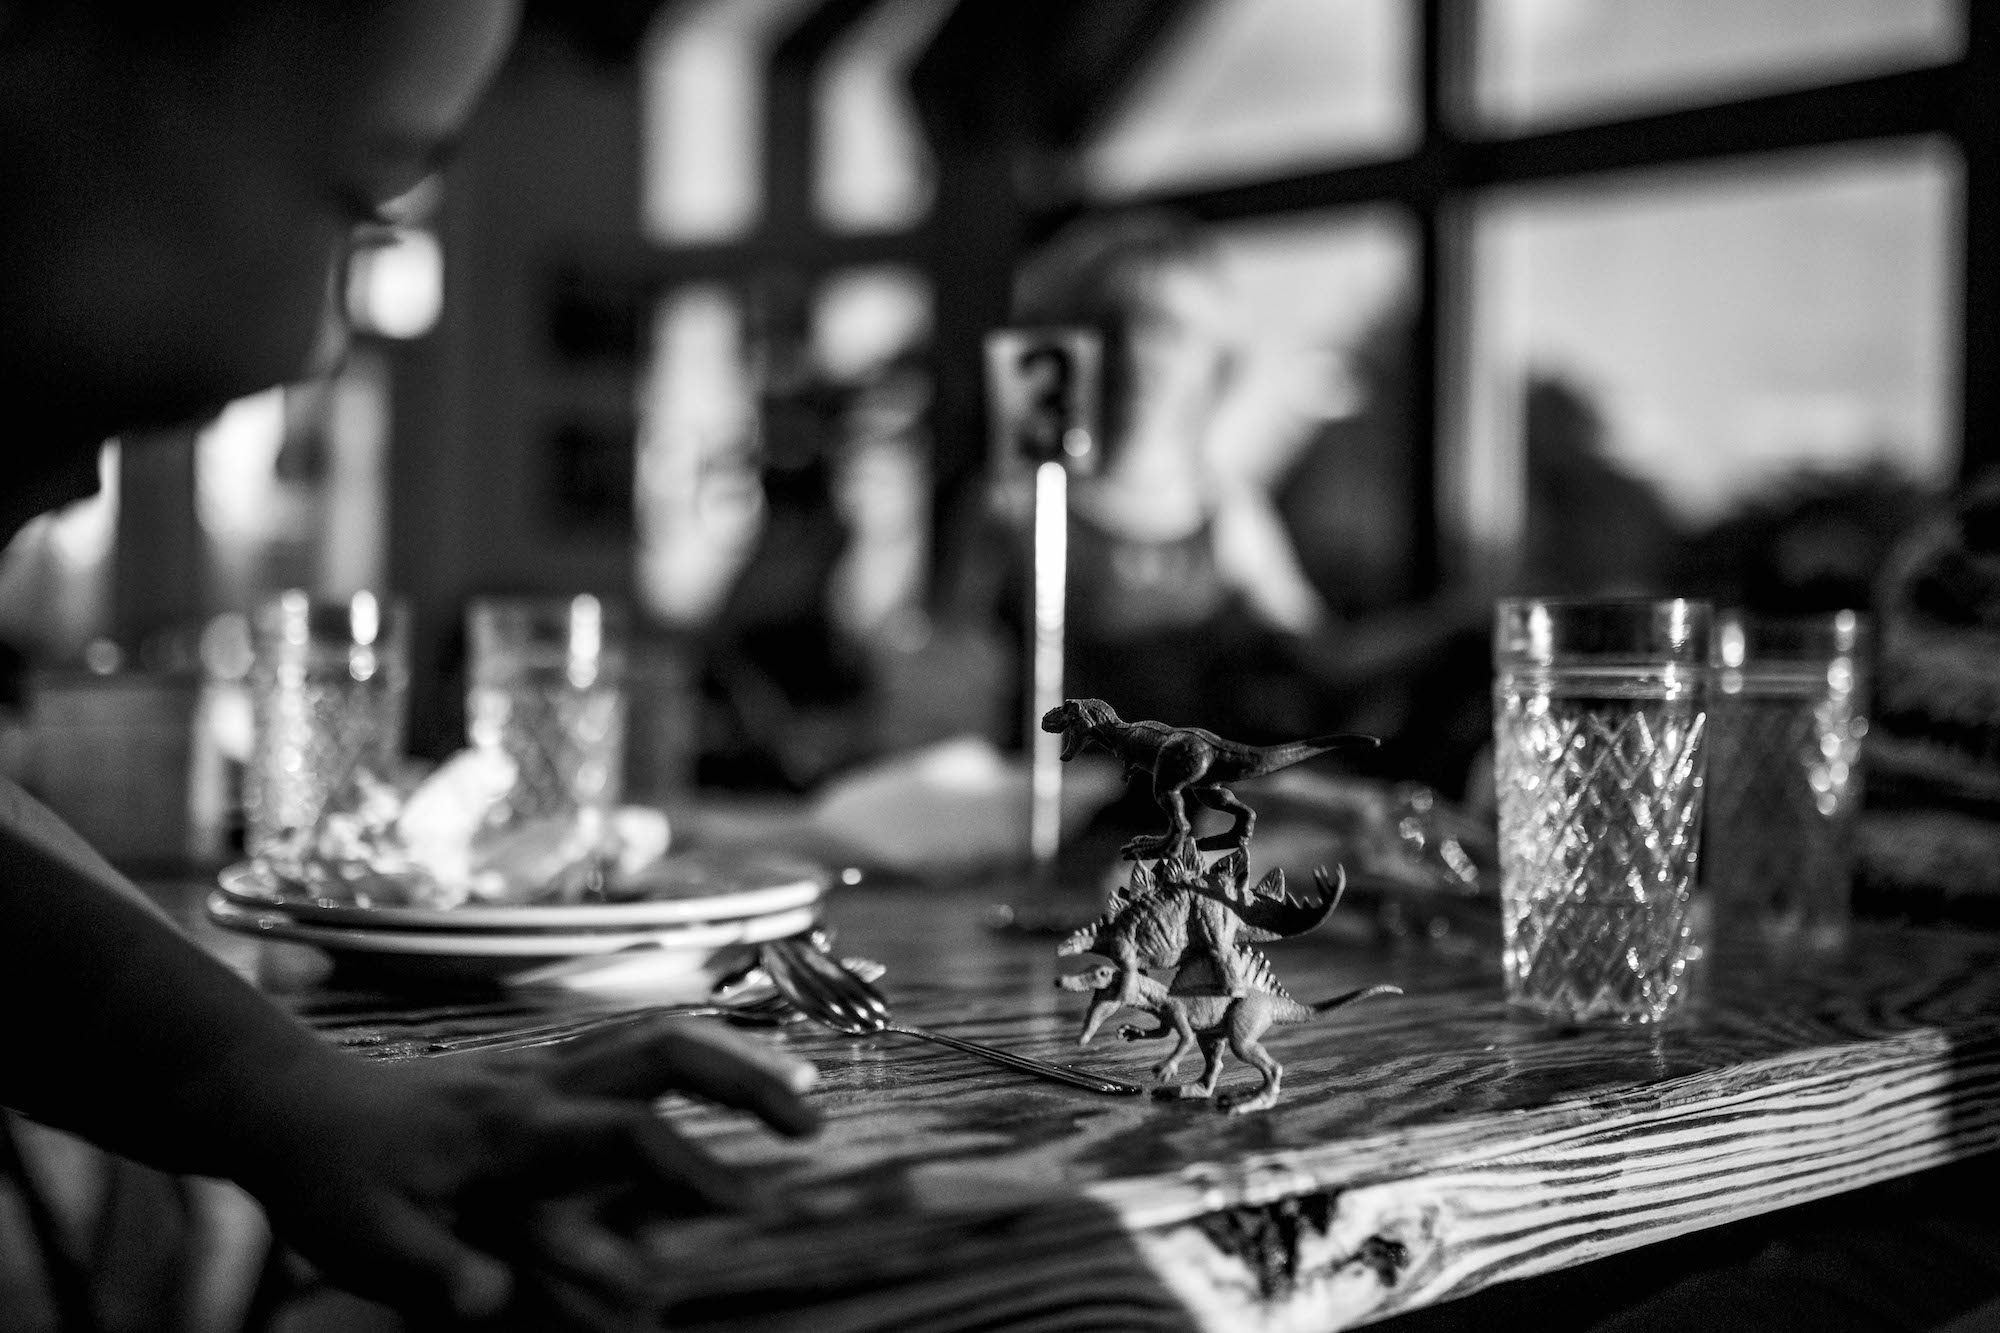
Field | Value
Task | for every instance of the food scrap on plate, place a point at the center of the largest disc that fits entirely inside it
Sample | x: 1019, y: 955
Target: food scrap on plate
x: 447, y: 840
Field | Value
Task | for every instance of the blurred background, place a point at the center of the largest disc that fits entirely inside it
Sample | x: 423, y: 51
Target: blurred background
x: 1407, y: 303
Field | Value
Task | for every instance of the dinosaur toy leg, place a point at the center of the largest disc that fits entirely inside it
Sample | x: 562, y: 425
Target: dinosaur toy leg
x: 1223, y: 799
x: 1184, y: 1040
x: 1212, y: 933
x: 1244, y: 1029
x: 1211, y: 1073
x: 1169, y: 844
x: 1180, y: 764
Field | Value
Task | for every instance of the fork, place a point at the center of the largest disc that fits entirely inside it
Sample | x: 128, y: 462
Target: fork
x: 834, y: 996
x: 767, y: 1009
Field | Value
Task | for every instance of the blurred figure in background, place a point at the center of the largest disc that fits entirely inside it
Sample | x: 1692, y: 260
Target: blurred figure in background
x: 1171, y: 526
x: 1593, y: 529
x: 183, y: 188
x: 1180, y: 573
x: 1813, y: 541
x: 823, y: 653
x: 1189, y: 599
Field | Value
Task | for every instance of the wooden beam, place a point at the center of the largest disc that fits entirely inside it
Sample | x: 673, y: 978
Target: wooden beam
x: 1444, y: 46
x: 791, y: 132
x: 1101, y: 72
x: 975, y: 88
x: 807, y: 43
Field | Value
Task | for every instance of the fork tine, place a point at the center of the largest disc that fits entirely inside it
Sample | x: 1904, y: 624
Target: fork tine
x: 857, y: 993
x: 791, y: 967
x: 853, y: 990
x: 819, y: 998
x: 785, y: 976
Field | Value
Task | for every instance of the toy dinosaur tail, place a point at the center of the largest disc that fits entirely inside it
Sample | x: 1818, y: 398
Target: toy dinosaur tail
x: 1084, y: 938
x: 1340, y: 1001
x: 1271, y: 758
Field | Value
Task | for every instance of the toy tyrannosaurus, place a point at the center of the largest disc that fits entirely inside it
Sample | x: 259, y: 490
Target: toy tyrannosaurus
x: 1199, y: 1017
x: 1183, y: 762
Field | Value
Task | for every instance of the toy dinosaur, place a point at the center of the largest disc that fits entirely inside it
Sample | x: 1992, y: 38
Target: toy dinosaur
x: 1146, y: 926
x: 1200, y: 921
x: 1161, y: 920
x: 1183, y: 762
x: 1198, y: 1017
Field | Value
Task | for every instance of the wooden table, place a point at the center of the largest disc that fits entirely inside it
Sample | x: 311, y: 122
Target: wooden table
x: 1425, y: 1147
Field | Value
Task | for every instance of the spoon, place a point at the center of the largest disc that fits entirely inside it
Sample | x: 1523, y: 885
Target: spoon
x: 834, y: 996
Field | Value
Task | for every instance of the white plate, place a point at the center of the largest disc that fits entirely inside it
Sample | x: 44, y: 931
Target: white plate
x: 464, y: 952
x: 681, y: 890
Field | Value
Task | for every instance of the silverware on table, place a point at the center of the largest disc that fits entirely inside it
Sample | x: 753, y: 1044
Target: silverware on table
x: 836, y: 997
x: 767, y: 1009
x: 403, y: 1038
x: 398, y: 1033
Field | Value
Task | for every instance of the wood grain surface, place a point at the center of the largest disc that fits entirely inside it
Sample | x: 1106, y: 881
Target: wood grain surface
x: 1425, y: 1146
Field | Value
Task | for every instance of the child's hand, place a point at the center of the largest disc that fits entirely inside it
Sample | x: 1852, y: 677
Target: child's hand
x: 455, y: 1187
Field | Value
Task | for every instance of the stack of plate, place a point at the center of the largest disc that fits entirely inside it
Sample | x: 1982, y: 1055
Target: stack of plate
x: 687, y: 910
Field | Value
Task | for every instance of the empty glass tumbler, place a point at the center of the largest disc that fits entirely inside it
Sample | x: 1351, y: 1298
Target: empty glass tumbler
x: 329, y: 688
x: 1600, y: 746
x: 1789, y: 714
x: 548, y: 690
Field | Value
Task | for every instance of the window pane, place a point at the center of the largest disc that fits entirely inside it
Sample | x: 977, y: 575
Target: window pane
x: 1681, y: 343
x: 291, y: 487
x: 1252, y: 87
x: 698, y: 502
x: 864, y: 318
x: 869, y: 329
x: 1550, y: 61
x: 1314, y: 413
x: 1256, y: 379
x: 702, y: 76
x: 55, y: 576
x: 874, y: 170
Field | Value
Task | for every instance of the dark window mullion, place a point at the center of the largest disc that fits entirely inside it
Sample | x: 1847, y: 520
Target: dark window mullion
x: 1444, y: 64
x: 1979, y: 341
x: 1893, y: 106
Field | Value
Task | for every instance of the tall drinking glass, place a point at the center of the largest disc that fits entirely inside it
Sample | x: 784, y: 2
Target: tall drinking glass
x: 548, y: 690
x: 329, y: 687
x: 1600, y: 744
x: 1790, y: 711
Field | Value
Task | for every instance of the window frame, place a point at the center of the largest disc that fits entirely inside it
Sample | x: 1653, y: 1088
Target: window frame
x: 1447, y: 167
x: 1453, y: 163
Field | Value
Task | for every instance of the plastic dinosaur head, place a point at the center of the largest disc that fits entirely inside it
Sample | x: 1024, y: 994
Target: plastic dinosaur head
x: 1101, y: 983
x: 1090, y: 979
x: 1074, y: 719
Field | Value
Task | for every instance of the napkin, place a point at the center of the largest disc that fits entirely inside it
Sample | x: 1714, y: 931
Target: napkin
x: 955, y: 805
x: 659, y: 976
